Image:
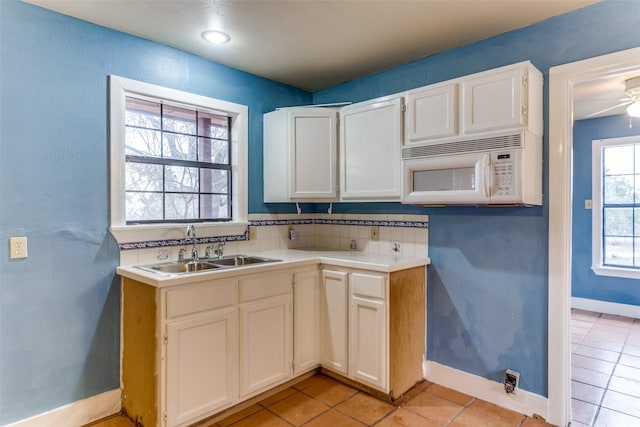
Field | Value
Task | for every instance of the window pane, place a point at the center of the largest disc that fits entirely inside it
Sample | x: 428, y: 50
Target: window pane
x: 142, y: 113
x: 214, y: 181
x: 181, y: 179
x: 618, y: 221
x: 181, y: 206
x: 618, y: 160
x: 143, y: 177
x: 142, y: 142
x: 143, y: 206
x: 213, y: 125
x: 213, y: 151
x: 618, y: 189
x: 618, y: 251
x: 180, y: 120
x: 214, y: 206
x: 177, y: 146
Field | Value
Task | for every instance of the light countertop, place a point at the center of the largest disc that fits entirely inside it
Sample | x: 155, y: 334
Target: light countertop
x: 291, y: 258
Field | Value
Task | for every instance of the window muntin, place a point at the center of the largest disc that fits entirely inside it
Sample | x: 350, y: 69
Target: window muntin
x: 616, y: 207
x: 178, y: 163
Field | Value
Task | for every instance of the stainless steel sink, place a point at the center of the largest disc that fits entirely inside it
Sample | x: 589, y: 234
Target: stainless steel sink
x: 189, y: 266
x: 179, y: 267
x: 240, y: 260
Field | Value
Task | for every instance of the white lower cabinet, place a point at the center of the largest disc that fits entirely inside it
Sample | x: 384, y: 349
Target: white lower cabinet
x: 373, y: 327
x: 192, y: 350
x: 334, y: 317
x: 368, y: 330
x: 306, y: 323
x: 201, y: 365
x: 265, y: 332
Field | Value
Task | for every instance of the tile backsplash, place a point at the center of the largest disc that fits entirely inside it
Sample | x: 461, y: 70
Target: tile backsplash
x: 408, y: 233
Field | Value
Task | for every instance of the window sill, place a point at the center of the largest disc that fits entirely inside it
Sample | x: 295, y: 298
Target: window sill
x: 153, y: 232
x: 626, y: 273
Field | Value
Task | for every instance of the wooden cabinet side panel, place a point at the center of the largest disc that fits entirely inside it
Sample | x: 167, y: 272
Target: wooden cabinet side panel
x: 139, y: 380
x: 407, y: 332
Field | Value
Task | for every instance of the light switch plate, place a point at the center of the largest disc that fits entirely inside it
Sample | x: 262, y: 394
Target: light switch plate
x: 18, y: 247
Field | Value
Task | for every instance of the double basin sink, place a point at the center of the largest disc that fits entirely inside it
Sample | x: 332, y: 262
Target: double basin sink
x: 191, y: 266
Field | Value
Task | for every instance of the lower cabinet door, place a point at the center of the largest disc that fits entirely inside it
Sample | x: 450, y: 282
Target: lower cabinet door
x: 265, y: 343
x: 201, y: 366
x: 306, y: 324
x: 368, y: 342
x: 334, y: 314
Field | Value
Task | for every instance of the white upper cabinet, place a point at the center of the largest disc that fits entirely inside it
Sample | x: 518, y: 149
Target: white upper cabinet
x: 432, y: 112
x: 300, y: 155
x: 505, y: 98
x: 494, y: 101
x: 370, y: 144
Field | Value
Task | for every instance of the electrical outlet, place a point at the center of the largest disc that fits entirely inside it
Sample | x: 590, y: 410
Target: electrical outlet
x: 511, y: 380
x: 374, y: 232
x: 18, y: 247
x: 253, y: 234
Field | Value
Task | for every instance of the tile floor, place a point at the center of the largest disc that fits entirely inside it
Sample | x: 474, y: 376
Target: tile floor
x: 605, y: 370
x: 321, y: 401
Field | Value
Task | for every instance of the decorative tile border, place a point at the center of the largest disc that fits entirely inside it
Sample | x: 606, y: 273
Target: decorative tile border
x: 355, y: 222
x: 182, y: 242
x: 272, y: 222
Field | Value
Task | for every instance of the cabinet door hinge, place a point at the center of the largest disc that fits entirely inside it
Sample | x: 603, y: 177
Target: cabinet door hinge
x: 524, y: 110
x: 403, y: 108
x: 293, y: 365
x: 166, y: 339
x: 525, y: 81
x: 164, y: 417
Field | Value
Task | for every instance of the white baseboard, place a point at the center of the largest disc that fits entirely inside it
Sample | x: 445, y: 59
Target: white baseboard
x: 522, y: 401
x: 606, y: 307
x: 76, y: 413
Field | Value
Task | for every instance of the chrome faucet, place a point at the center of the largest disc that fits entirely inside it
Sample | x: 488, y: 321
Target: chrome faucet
x: 191, y: 234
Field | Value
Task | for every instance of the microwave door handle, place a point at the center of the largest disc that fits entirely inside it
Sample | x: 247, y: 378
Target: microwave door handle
x: 488, y: 176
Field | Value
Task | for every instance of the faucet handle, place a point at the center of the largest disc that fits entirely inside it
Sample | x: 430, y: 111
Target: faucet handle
x: 181, y: 254
x: 208, y: 252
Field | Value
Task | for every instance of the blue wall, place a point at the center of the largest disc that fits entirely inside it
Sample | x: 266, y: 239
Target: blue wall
x: 584, y: 282
x: 487, y: 285
x: 59, y: 308
x: 59, y: 324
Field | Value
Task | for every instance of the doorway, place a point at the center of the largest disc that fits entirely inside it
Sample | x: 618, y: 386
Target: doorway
x: 561, y: 82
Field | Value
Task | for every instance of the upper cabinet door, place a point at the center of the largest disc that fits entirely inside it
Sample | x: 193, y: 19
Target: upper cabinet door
x: 493, y: 100
x: 314, y: 154
x: 370, y: 144
x: 300, y: 155
x: 432, y: 112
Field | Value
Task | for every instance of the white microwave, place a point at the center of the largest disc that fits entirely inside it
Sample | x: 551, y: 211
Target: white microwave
x: 502, y: 170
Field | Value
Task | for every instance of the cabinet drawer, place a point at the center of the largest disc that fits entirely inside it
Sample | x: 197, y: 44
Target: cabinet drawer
x: 367, y: 285
x: 263, y: 286
x: 201, y: 297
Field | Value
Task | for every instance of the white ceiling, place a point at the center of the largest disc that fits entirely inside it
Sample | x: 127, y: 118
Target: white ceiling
x: 315, y: 44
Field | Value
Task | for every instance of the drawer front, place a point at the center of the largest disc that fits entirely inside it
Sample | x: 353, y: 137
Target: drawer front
x: 265, y: 285
x: 368, y: 285
x: 201, y: 297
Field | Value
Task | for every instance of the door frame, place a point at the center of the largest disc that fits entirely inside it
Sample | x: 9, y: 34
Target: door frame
x: 561, y: 81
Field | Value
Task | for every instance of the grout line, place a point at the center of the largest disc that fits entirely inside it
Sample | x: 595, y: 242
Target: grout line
x: 620, y: 353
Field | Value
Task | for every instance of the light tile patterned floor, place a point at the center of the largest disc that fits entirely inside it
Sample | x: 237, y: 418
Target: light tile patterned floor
x: 321, y: 401
x: 605, y: 370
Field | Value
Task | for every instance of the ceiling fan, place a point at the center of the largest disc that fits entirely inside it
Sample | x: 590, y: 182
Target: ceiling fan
x: 632, y: 99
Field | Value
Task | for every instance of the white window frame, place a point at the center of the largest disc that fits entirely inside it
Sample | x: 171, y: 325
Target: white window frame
x: 119, y: 87
x: 597, y: 266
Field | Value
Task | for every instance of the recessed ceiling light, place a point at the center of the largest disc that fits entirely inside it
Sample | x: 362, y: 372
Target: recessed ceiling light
x: 216, y: 37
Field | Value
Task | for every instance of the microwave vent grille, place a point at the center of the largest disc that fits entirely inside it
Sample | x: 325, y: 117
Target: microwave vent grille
x: 482, y: 144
